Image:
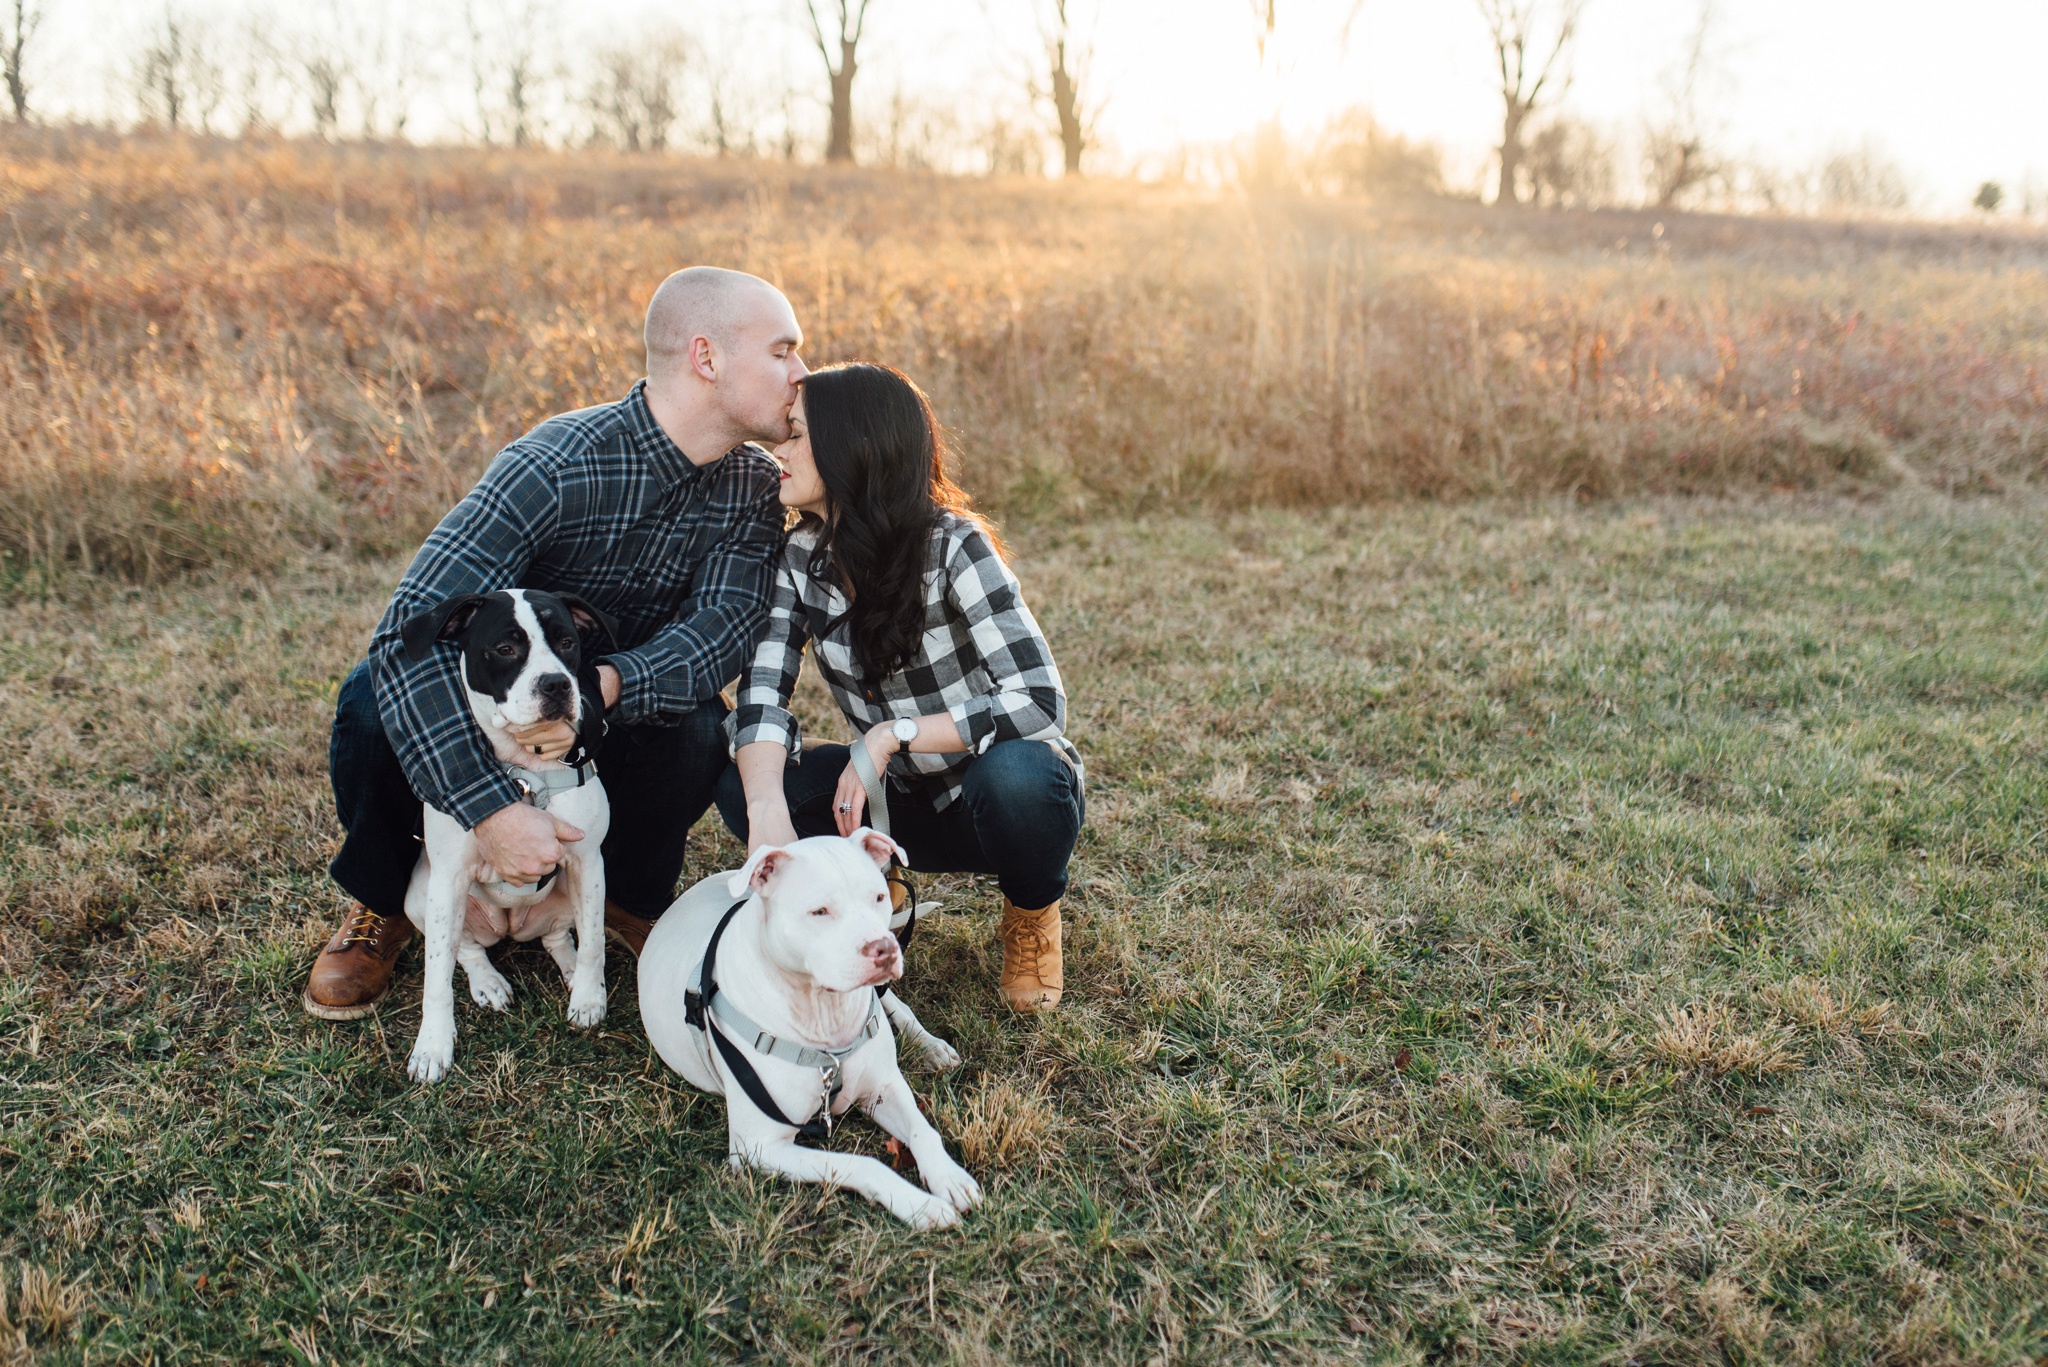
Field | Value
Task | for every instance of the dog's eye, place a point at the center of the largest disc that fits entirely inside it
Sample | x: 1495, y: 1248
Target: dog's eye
x: 506, y: 648
x: 822, y: 911
x: 566, y: 643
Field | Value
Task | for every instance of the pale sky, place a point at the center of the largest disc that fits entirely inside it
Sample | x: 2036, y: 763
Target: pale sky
x: 1954, y: 92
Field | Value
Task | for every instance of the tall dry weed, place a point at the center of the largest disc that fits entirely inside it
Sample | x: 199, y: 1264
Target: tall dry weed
x: 214, y: 351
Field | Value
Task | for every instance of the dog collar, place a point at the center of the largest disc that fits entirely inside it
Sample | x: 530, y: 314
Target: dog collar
x: 538, y: 787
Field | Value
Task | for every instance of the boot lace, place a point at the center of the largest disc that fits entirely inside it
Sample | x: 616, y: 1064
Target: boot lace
x: 363, y: 928
x: 1023, y: 941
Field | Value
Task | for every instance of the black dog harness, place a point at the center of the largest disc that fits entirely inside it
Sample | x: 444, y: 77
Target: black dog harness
x: 703, y: 1004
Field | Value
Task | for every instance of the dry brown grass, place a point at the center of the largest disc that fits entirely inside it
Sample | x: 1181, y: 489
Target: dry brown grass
x: 215, y: 351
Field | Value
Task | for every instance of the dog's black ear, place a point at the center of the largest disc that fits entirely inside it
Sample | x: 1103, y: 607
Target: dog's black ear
x: 599, y: 632
x: 445, y: 621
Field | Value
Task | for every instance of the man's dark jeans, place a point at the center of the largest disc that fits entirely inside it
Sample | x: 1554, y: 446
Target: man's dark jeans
x: 1018, y: 814
x: 659, y: 780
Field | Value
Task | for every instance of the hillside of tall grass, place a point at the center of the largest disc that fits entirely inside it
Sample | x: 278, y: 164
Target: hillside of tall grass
x: 215, y: 352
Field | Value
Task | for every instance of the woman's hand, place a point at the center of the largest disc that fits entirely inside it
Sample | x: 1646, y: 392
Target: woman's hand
x: 549, y: 740
x: 768, y: 824
x: 850, y: 803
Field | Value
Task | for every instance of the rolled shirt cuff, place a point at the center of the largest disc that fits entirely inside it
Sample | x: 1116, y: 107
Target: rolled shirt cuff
x: 488, y: 793
x: 753, y: 722
x: 975, y: 724
x: 641, y: 695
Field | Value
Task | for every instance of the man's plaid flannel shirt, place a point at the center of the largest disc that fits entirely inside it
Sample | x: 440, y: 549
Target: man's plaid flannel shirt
x: 599, y: 503
x: 983, y: 661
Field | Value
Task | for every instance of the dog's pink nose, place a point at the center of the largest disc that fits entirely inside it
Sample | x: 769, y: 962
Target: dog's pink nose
x: 882, y: 950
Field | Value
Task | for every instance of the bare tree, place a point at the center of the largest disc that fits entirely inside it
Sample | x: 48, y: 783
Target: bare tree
x: 1532, y: 40
x: 1069, y: 53
x: 177, y: 82
x: 850, y: 21
x: 632, y: 98
x: 1355, y: 155
x: 324, y: 73
x: 18, y: 24
x: 1569, y: 165
x: 1864, y: 178
x: 260, y: 76
x: 1677, y: 149
x: 510, y: 77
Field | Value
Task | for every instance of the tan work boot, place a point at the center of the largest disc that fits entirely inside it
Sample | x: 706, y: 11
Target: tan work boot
x: 623, y: 926
x: 1033, y: 971
x: 353, y: 973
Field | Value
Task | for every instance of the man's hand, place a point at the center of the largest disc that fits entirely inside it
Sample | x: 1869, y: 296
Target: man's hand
x: 545, y: 739
x: 522, y: 843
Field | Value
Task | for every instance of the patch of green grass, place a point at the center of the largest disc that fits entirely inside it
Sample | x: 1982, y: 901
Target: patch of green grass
x: 1500, y: 934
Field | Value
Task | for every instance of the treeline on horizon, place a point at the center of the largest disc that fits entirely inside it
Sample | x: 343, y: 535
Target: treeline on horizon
x: 518, y: 73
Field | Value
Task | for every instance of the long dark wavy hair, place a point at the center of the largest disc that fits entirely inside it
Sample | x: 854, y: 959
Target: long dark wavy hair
x: 882, y: 459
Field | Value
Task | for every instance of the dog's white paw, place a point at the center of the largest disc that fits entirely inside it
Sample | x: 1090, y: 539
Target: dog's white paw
x: 954, y: 1185
x: 431, y: 1057
x: 929, y: 1213
x: 489, y: 988
x: 938, y: 1055
x: 586, y: 1007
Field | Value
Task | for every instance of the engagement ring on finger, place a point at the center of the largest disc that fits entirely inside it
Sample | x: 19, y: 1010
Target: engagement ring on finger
x: 846, y: 806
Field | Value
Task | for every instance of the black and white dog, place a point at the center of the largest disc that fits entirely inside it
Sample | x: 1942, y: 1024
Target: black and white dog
x: 522, y: 651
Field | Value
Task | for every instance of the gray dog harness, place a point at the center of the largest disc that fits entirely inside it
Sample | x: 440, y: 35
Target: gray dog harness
x: 537, y: 788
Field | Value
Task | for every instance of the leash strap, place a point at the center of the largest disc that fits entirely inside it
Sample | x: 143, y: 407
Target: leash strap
x: 704, y: 1008
x: 878, y: 794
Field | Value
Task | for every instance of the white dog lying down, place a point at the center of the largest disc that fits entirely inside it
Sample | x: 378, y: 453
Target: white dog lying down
x: 795, y: 1017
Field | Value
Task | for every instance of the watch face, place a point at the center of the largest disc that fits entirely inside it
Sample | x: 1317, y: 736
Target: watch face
x: 906, y: 730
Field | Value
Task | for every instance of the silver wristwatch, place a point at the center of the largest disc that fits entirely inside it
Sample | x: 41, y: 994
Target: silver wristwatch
x: 905, y: 731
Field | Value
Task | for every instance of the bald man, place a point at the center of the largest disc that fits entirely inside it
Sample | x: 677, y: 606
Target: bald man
x: 656, y: 510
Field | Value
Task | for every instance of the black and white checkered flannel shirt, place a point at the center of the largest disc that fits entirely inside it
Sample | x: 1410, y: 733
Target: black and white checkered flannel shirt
x: 984, y: 662
x: 599, y: 503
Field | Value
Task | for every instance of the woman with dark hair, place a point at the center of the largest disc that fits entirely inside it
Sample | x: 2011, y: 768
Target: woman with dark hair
x: 921, y: 632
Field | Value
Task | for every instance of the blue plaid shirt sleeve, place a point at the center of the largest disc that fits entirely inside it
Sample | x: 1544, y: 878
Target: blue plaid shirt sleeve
x: 693, y: 657
x: 485, y: 543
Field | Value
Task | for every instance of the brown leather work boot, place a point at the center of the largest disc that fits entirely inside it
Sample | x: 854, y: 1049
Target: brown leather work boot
x: 1033, y: 969
x: 623, y: 926
x: 353, y: 973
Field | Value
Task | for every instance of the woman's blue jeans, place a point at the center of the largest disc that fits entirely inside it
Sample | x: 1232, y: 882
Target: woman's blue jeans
x: 1018, y: 814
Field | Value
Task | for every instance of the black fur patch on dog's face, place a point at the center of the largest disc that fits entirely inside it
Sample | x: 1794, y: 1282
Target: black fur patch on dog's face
x: 523, y: 641
x: 504, y: 648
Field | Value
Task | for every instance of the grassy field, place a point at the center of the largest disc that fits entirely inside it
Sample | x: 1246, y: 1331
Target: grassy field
x: 1540, y: 934
x: 219, y: 352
